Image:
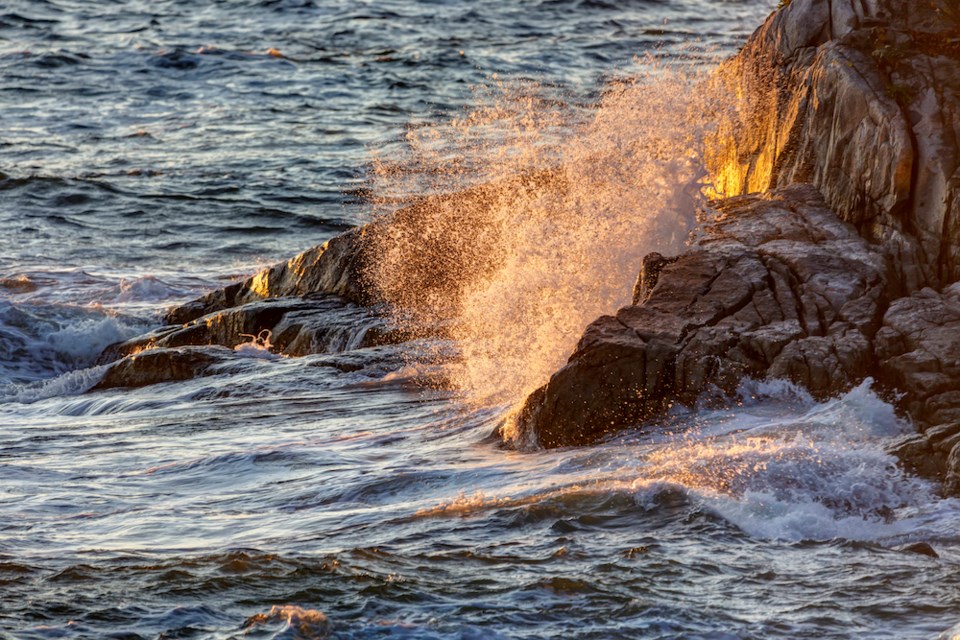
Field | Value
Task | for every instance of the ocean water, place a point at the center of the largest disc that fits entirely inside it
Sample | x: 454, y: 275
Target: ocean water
x: 151, y: 152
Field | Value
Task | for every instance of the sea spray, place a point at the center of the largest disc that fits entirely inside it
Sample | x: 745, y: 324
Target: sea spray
x: 541, y: 212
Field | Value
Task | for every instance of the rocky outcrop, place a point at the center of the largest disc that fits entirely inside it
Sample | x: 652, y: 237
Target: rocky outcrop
x: 161, y: 365
x: 777, y: 286
x: 336, y: 267
x: 443, y: 242
x: 918, y: 349
x: 320, y: 301
x: 315, y: 323
x: 860, y: 100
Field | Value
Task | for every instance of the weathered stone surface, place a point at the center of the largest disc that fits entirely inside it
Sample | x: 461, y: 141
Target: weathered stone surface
x: 777, y: 286
x: 334, y: 267
x: 161, y: 365
x: 290, y: 326
x: 917, y: 456
x: 862, y: 100
x: 918, y: 348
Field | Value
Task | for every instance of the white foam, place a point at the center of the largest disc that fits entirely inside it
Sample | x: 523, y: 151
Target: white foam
x: 71, y: 383
x: 258, y: 346
x: 784, y: 467
x: 42, y: 341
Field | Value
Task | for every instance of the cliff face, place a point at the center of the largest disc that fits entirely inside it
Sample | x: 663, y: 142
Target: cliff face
x: 861, y: 99
x: 777, y: 286
x: 836, y: 248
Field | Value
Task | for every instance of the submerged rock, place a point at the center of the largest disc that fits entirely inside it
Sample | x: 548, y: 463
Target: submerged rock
x: 922, y: 548
x: 161, y: 365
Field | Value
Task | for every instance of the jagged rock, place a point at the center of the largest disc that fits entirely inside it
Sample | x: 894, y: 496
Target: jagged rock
x: 862, y: 99
x: 917, y: 456
x: 161, y: 365
x: 776, y: 286
x: 422, y: 244
x: 650, y: 268
x: 291, y: 326
x: 308, y: 304
x: 333, y: 267
x: 918, y: 348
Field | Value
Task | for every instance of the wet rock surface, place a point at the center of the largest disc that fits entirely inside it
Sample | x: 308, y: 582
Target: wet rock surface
x: 161, y: 365
x: 861, y: 100
x: 336, y: 267
x: 777, y: 286
x: 315, y: 323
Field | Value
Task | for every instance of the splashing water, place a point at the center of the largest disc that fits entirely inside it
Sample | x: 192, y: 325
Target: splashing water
x: 553, y: 208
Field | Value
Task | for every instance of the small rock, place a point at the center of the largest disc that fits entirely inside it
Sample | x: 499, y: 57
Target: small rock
x: 922, y: 548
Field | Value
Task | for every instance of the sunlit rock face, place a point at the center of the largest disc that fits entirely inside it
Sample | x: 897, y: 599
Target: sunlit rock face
x: 333, y: 267
x: 778, y: 285
x: 861, y: 102
x: 861, y: 99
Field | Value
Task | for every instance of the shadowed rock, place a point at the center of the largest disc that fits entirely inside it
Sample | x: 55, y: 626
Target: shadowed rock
x: 776, y: 286
x: 316, y: 323
x: 161, y: 365
x: 919, y: 352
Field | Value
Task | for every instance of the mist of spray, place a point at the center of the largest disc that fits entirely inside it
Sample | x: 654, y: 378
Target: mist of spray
x: 529, y: 217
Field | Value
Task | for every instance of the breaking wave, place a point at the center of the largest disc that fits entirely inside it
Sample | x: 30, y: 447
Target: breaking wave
x: 542, y: 212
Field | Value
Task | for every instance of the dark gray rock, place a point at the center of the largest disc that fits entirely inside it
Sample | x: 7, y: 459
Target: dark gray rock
x: 776, y: 286
x: 161, y: 365
x: 918, y: 348
x: 290, y: 326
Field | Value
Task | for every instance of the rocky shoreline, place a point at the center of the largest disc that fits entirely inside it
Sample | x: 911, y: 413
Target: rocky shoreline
x: 852, y: 276
x: 833, y: 256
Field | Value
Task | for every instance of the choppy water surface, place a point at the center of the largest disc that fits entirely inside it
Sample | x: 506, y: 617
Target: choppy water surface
x: 153, y: 151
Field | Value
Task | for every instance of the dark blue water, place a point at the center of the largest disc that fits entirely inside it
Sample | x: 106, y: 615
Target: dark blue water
x: 153, y: 151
